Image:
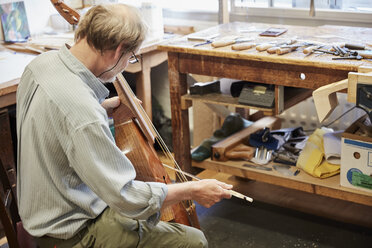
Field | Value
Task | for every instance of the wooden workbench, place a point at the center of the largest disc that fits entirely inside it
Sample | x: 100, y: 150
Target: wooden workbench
x: 294, y: 69
x: 148, y: 56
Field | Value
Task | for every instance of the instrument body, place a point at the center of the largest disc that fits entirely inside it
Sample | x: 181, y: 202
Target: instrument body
x: 131, y: 139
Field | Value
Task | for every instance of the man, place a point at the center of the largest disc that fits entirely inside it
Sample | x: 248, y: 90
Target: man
x: 75, y: 187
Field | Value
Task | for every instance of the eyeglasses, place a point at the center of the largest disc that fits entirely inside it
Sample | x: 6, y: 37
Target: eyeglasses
x: 133, y: 59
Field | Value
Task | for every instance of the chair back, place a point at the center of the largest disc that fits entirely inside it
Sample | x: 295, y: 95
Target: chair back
x: 17, y: 237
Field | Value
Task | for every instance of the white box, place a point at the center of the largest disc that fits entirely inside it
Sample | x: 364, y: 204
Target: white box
x: 356, y: 159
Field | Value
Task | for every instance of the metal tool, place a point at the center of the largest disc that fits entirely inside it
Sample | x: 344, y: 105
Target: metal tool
x: 203, y: 43
x: 326, y: 51
x: 357, y: 57
x: 290, y: 48
x: 265, y: 46
x: 341, y: 52
x: 259, y: 167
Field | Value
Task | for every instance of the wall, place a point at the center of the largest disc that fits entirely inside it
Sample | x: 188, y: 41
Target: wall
x: 38, y: 12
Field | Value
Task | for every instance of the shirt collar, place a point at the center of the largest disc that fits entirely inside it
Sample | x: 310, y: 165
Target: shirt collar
x: 84, y: 73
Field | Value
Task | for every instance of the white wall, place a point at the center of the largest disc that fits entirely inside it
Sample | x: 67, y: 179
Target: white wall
x: 38, y: 12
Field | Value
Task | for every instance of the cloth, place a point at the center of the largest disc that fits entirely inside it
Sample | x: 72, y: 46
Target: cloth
x: 332, y: 147
x: 114, y: 230
x: 312, y: 160
x: 69, y: 168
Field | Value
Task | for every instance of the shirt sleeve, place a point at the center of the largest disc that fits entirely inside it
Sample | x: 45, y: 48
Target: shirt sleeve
x: 109, y: 173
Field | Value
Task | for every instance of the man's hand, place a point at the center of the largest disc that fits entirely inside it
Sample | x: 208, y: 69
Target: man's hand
x: 111, y: 103
x: 206, y: 192
x: 209, y: 191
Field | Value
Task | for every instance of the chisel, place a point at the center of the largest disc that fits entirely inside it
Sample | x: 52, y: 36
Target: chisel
x: 366, y: 54
x: 227, y: 42
x: 265, y: 46
x: 310, y: 49
x: 243, y: 46
x: 287, y: 49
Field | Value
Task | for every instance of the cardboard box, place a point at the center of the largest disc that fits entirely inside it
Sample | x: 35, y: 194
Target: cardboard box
x: 356, y: 159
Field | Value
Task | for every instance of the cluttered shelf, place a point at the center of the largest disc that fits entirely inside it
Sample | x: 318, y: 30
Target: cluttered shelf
x: 281, y: 175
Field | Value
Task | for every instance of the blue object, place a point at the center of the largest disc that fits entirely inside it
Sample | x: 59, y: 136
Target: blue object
x: 263, y: 138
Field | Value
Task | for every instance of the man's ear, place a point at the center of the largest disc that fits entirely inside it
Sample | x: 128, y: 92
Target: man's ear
x: 118, y: 51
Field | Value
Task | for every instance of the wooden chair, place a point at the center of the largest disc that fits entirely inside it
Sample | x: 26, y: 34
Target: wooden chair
x: 17, y: 237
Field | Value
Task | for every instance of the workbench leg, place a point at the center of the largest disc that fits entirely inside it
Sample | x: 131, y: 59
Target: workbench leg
x: 143, y: 86
x: 180, y: 118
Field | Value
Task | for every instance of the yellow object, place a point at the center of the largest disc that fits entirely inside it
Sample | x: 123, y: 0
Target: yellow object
x: 312, y: 159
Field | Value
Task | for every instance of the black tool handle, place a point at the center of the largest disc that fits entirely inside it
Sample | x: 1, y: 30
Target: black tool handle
x: 354, y: 46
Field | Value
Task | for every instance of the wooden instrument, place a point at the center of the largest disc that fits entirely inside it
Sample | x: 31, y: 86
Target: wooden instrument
x: 135, y: 135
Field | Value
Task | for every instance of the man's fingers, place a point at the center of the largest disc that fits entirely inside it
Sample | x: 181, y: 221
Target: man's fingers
x: 225, y: 185
x: 111, y: 103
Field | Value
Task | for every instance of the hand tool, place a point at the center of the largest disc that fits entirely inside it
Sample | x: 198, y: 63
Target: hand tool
x: 357, y: 57
x: 259, y: 167
x: 265, y: 46
x: 203, y: 43
x: 326, y: 51
x: 355, y: 46
x: 309, y: 50
x: 287, y: 49
x: 227, y: 42
x: 243, y: 46
x: 341, y: 52
x: 366, y: 54
x: 272, y: 50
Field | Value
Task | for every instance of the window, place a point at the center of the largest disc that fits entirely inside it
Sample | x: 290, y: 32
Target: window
x: 297, y: 12
x: 344, y: 5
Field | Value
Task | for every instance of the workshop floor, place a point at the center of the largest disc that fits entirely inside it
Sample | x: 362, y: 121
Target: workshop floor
x: 234, y: 223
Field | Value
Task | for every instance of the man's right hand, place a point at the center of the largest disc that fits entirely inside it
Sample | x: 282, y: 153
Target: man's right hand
x: 206, y: 192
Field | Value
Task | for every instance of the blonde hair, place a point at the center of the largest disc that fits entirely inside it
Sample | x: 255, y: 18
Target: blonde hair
x: 105, y: 27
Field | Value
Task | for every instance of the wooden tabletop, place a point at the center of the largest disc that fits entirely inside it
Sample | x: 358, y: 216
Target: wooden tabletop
x: 326, y: 35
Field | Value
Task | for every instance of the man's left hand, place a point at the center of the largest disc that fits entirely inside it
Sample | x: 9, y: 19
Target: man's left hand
x: 111, y: 103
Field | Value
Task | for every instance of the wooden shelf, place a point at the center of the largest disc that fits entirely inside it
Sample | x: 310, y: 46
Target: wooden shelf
x: 220, y: 99
x: 329, y: 187
x: 292, y: 96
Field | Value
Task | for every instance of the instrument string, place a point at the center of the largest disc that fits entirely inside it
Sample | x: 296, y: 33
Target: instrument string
x: 179, y: 172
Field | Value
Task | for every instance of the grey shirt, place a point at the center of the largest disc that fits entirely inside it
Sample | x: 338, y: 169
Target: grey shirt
x: 69, y: 168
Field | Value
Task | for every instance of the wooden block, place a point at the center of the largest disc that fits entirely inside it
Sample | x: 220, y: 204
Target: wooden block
x: 220, y: 149
x: 325, y: 98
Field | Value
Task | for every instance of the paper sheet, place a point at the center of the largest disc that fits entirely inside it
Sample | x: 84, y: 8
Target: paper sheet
x: 12, y: 65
